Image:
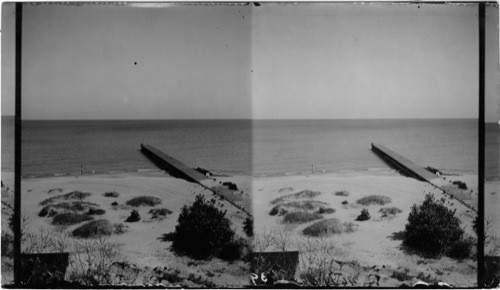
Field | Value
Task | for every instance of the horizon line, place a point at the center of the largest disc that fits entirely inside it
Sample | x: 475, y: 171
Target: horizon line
x: 249, y: 119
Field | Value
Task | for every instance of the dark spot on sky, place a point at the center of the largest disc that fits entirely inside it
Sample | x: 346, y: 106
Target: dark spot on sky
x: 135, y: 62
x: 418, y: 6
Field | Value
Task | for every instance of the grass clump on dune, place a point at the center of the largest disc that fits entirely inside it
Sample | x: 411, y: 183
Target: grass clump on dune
x: 69, y: 218
x: 374, y: 199
x: 301, y: 194
x: 144, y: 200
x: 390, y: 211
x: 300, y: 217
x: 76, y: 206
x: 342, y: 193
x: 305, y: 205
x: 328, y: 227
x: 96, y: 211
x: 71, y: 195
x: 326, y: 210
x: 97, y: 228
x: 159, y: 212
x: 111, y: 194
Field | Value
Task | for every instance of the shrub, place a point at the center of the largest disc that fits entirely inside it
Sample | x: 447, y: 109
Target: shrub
x: 386, y: 211
x: 159, y: 212
x: 248, y: 226
x: 114, y: 203
x: 326, y: 210
x: 299, y: 217
x: 432, y: 228
x: 461, y: 249
x: 144, y: 200
x: 274, y: 210
x: 202, y: 230
x: 230, y: 185
x: 324, y: 228
x: 342, y: 193
x: 460, y: 184
x: 7, y: 245
x: 70, y: 218
x: 345, y: 202
x: 96, y: 211
x: 94, y: 229
x: 111, y: 194
x: 365, y: 215
x: 234, y: 250
x: 134, y: 217
x: 374, y: 199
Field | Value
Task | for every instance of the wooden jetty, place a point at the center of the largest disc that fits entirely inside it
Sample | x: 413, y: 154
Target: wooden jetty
x: 402, y: 164
x: 411, y: 169
x: 172, y: 165
x: 178, y: 169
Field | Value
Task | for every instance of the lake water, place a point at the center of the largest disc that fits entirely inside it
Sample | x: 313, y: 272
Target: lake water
x: 259, y: 147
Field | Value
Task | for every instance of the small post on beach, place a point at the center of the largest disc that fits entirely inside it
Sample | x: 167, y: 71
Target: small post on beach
x: 81, y: 169
x: 312, y: 169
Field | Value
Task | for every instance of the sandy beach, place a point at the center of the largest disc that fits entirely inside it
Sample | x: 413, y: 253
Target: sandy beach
x: 375, y: 243
x: 141, y: 244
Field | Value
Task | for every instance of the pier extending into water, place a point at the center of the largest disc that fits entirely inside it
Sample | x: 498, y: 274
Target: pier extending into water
x: 402, y: 164
x: 408, y: 168
x: 178, y: 169
x: 172, y: 165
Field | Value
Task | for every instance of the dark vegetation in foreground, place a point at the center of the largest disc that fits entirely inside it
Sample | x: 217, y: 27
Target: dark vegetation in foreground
x: 204, y: 232
x: 433, y: 230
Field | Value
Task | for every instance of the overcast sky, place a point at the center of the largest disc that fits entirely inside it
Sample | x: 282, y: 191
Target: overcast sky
x: 274, y: 61
x: 122, y: 62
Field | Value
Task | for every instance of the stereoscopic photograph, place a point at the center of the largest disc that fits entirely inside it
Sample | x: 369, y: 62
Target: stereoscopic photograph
x: 231, y: 145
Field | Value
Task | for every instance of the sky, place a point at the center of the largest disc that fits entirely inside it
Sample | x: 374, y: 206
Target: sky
x: 276, y: 61
x: 366, y: 61
x: 123, y: 62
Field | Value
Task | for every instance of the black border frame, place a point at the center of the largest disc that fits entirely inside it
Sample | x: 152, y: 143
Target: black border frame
x: 18, y: 135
